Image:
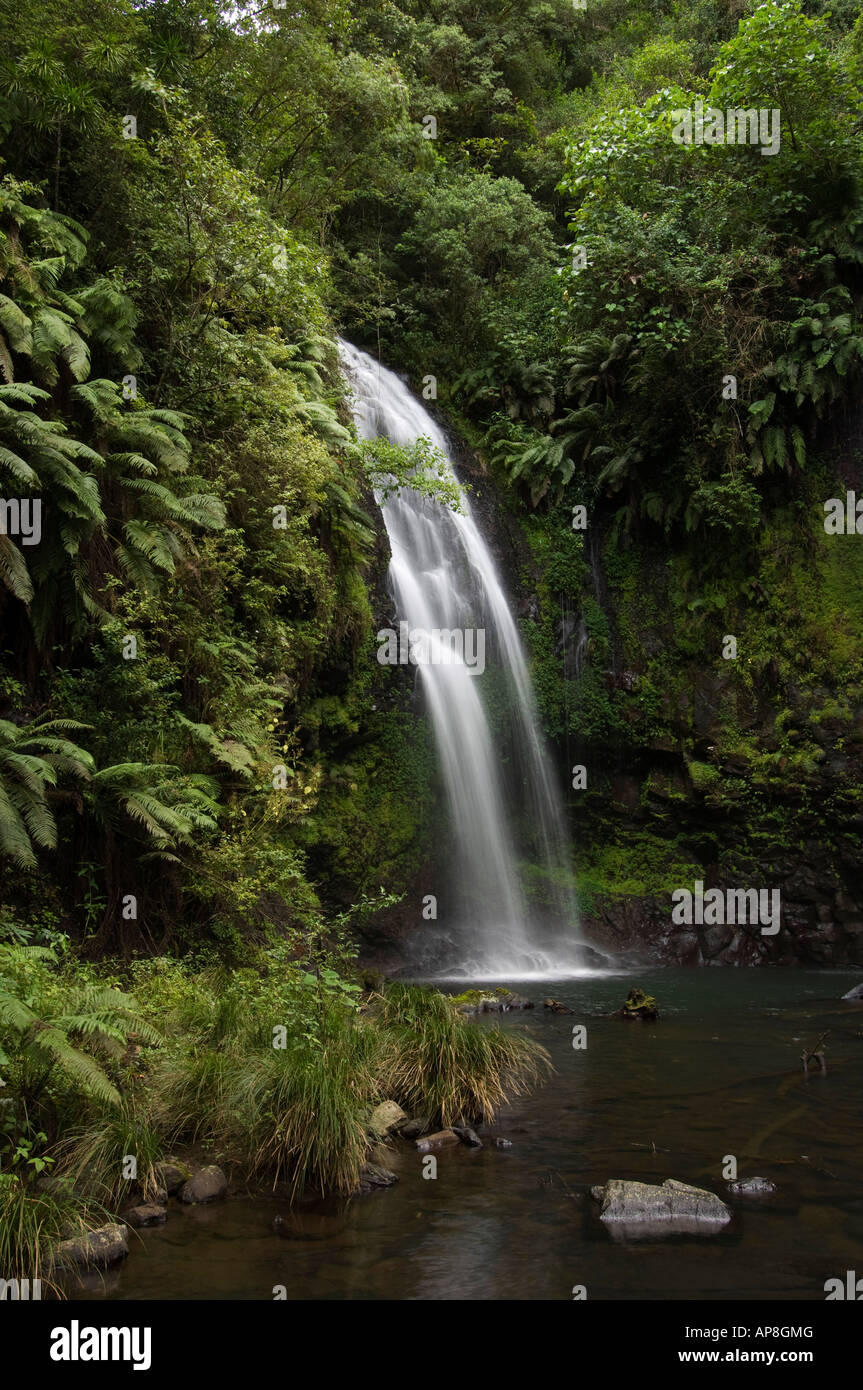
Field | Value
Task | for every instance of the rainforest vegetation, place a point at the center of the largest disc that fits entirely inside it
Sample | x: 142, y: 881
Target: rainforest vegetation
x: 195, y: 200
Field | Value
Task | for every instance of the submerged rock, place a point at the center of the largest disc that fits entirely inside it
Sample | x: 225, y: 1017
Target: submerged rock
x: 752, y: 1187
x: 503, y: 1143
x: 95, y: 1250
x: 373, y: 1177
x: 467, y: 1136
x: 555, y: 1006
x: 437, y: 1141
x: 309, y: 1225
x: 855, y: 994
x: 206, y: 1185
x: 639, y: 1210
x: 412, y: 1129
x: 510, y: 1000
x: 386, y: 1117
x: 148, y: 1214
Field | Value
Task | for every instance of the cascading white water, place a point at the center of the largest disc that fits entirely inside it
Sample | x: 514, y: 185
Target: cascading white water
x: 444, y: 579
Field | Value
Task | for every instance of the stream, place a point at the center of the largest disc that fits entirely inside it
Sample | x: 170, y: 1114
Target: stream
x: 718, y: 1075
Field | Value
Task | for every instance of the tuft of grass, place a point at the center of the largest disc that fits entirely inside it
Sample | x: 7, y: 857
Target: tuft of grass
x: 435, y: 1062
x: 33, y: 1221
x: 296, y: 1113
x: 92, y: 1155
x: 303, y: 1114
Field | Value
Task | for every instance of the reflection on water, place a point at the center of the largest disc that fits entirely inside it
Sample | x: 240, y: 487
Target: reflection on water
x: 719, y: 1075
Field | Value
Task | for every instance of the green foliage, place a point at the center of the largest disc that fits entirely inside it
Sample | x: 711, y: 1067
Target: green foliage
x: 419, y: 466
x: 58, y: 1036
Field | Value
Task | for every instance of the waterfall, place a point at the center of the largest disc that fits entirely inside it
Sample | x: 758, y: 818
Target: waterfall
x: 508, y: 901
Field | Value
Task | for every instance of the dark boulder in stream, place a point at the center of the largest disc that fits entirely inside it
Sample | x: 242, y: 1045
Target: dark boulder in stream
x: 148, y: 1214
x: 555, y: 1006
x: 467, y: 1136
x: 412, y: 1129
x: 373, y: 1177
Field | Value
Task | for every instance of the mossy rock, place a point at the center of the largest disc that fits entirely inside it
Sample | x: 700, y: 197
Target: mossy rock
x: 639, y: 1005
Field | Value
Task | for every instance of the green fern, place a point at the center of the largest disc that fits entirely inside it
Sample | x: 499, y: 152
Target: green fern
x: 32, y: 758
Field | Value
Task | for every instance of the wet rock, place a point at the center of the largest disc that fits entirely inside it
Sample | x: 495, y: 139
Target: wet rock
x: 687, y: 947
x: 412, y: 1129
x: 855, y: 994
x: 437, y: 1141
x: 499, y: 1001
x: 173, y: 1174
x: 638, y: 1005
x: 503, y: 1143
x: 555, y: 1006
x: 373, y: 1177
x: 638, y: 1210
x: 95, y: 1250
x: 386, y: 1117
x: 148, y: 1214
x: 467, y: 1136
x: 714, y: 940
x: 597, y: 1193
x: 752, y: 1187
x: 515, y: 1001
x: 207, y: 1185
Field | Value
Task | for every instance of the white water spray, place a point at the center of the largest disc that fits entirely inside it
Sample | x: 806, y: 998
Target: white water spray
x: 510, y: 909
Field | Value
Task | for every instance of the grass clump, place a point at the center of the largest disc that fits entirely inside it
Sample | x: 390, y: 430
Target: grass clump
x: 436, y: 1062
x: 33, y: 1221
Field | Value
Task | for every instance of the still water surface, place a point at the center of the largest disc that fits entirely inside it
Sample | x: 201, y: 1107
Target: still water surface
x: 719, y: 1075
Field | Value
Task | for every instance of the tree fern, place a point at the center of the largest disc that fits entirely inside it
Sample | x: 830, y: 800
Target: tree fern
x: 31, y: 760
